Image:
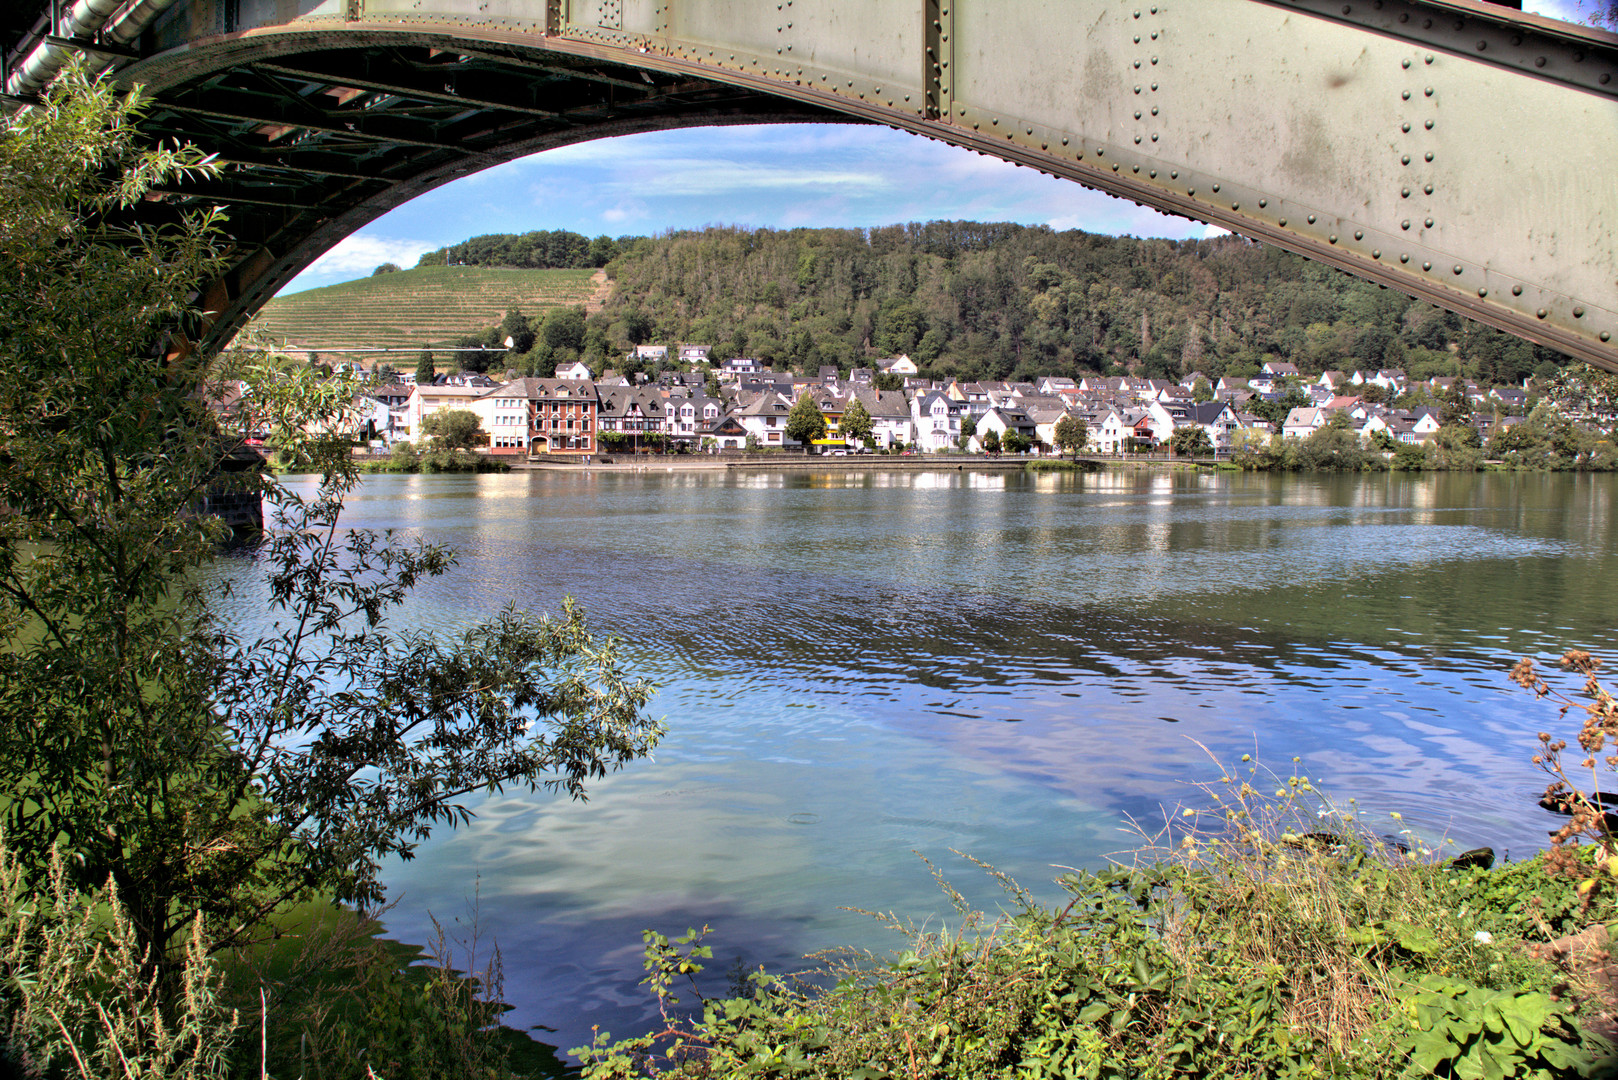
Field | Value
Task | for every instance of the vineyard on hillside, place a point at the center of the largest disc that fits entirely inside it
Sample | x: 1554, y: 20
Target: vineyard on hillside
x: 420, y: 308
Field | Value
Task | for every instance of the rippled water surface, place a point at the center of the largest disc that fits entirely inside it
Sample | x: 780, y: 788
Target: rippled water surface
x: 859, y: 667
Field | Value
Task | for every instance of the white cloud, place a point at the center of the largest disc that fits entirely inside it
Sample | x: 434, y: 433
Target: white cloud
x: 625, y: 210
x: 355, y: 256
x: 1211, y: 231
x: 361, y: 252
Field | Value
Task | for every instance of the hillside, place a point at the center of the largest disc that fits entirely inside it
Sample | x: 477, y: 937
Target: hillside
x: 427, y: 306
x: 996, y: 301
x: 962, y: 299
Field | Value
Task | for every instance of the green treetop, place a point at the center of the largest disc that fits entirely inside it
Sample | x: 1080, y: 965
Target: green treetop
x: 1190, y: 441
x: 856, y: 424
x: 1072, y: 433
x: 805, y: 423
x: 454, y: 429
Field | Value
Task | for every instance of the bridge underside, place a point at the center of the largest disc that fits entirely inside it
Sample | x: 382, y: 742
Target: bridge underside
x: 303, y: 170
x: 1455, y: 150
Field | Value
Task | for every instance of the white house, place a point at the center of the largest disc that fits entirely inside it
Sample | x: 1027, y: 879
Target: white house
x: 937, y: 419
x: 765, y: 418
x: 1046, y: 417
x: 1303, y: 422
x: 1425, y: 421
x: 897, y: 365
x: 577, y: 371
x: 503, y: 413
x: 1399, y: 428
x: 1002, y: 420
x: 1116, y: 430
x: 426, y: 400
x: 891, y: 423
x: 688, y: 417
x: 1217, y: 418
x: 1160, y: 419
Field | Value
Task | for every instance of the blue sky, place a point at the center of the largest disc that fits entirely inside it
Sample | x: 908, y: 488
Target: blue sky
x: 779, y: 176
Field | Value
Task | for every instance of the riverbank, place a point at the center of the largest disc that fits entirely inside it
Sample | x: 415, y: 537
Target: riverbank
x: 859, y: 463
x: 1257, y: 935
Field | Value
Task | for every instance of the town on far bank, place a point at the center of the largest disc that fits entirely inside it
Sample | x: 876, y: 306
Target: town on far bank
x: 672, y: 400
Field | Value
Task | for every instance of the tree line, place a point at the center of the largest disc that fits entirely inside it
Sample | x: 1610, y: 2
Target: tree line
x: 539, y: 250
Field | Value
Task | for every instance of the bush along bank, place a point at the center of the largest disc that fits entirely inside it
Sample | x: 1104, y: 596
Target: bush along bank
x: 405, y: 458
x: 1545, y: 442
x: 1249, y: 939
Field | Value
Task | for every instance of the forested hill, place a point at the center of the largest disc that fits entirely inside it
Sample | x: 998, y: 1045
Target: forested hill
x: 999, y: 300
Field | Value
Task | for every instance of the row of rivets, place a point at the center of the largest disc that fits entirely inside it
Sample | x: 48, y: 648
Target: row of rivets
x: 1140, y: 134
x: 1515, y: 41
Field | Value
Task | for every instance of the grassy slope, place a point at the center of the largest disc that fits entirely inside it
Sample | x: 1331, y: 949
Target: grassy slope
x: 418, y: 308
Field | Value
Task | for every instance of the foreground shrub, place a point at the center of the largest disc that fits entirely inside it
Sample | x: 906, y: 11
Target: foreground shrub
x: 1253, y: 937
x: 78, y: 997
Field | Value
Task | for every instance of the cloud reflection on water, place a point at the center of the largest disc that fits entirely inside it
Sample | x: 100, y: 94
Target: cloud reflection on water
x: 854, y: 648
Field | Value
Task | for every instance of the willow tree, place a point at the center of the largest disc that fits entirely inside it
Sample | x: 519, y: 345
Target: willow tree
x: 209, y: 774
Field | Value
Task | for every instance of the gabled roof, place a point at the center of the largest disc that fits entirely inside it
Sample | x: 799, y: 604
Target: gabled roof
x: 625, y: 401
x: 765, y: 405
x: 924, y: 401
x: 883, y: 404
x: 1207, y: 412
x: 1046, y: 414
x: 1012, y: 418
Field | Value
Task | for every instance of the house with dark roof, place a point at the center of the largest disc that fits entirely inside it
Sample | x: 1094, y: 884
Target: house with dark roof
x: 891, y: 423
x: 1002, y: 420
x: 764, y: 416
x: 629, y: 414
x: 1217, y: 418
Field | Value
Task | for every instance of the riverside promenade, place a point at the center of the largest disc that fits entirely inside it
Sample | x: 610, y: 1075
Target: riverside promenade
x: 852, y: 463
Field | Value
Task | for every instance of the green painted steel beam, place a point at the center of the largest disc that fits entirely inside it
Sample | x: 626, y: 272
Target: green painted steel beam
x: 1458, y: 151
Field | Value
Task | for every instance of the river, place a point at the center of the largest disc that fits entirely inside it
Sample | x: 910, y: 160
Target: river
x: 860, y: 668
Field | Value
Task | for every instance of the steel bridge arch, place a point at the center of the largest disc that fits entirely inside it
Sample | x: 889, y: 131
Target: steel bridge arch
x: 1456, y: 150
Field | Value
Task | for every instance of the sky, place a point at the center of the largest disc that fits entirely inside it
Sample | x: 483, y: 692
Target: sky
x: 774, y: 176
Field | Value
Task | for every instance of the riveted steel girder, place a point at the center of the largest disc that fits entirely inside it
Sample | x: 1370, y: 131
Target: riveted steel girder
x: 1456, y: 150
